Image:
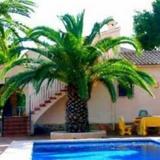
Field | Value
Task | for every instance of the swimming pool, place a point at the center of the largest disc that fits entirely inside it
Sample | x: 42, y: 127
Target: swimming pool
x: 137, y: 149
x: 91, y: 149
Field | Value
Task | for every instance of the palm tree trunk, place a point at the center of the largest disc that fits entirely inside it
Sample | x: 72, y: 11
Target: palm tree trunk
x: 76, y: 112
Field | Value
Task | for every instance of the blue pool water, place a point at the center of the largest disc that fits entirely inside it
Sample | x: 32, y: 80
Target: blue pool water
x: 97, y: 150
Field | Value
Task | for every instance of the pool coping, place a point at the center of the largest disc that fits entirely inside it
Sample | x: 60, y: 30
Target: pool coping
x: 19, y: 149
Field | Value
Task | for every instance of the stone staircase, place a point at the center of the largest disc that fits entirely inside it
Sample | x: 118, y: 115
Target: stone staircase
x: 46, y: 98
x: 36, y: 105
x: 16, y: 126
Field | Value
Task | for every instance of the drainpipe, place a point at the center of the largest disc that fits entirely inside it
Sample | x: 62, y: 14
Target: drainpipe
x: 30, y: 117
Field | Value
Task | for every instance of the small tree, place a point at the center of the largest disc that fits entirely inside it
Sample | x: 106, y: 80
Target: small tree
x: 146, y: 27
x: 74, y: 59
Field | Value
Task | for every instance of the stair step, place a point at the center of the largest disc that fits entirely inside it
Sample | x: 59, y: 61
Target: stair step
x: 15, y: 120
x: 48, y: 101
x: 18, y: 132
x: 37, y: 109
x: 16, y: 126
x: 58, y: 94
x: 8, y: 134
x: 42, y: 105
x: 11, y: 126
x: 54, y: 97
x: 15, y: 135
x: 64, y: 90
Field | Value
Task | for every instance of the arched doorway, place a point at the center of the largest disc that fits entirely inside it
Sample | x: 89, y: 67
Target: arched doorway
x: 15, y: 105
x: 14, y: 120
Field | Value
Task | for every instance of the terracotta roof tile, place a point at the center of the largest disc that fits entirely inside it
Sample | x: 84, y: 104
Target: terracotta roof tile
x: 147, y: 58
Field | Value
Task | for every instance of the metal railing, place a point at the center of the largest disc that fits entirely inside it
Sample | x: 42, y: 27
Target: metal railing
x: 35, y: 100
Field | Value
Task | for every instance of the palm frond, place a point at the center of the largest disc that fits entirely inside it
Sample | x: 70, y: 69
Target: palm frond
x: 46, y: 32
x: 148, y: 78
x: 123, y: 70
x: 3, y: 58
x: 36, y: 75
x: 15, y: 82
x: 39, y: 51
x: 43, y: 72
x: 108, y: 43
x: 73, y: 24
x: 110, y: 85
x: 11, y: 64
x: 20, y: 7
x: 96, y: 30
x: 92, y: 54
x: 2, y: 30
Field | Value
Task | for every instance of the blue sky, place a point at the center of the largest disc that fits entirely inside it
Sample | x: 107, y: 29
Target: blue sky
x: 95, y: 10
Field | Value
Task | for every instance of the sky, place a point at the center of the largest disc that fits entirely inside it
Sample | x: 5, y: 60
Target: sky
x: 122, y: 11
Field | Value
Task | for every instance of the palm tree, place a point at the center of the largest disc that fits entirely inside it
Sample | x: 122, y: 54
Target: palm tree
x: 20, y: 7
x: 10, y: 30
x: 75, y: 60
x: 10, y: 39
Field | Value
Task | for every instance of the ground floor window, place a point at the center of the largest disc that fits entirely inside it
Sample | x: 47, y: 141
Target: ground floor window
x: 122, y: 92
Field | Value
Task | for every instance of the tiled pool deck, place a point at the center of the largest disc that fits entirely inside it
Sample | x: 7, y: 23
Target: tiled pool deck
x: 19, y: 149
x: 6, y: 141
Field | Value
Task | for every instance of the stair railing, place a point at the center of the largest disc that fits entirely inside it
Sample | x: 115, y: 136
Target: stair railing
x: 35, y: 100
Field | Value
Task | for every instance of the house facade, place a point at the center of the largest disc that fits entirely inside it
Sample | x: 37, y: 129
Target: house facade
x: 101, y: 108
x: 47, y: 108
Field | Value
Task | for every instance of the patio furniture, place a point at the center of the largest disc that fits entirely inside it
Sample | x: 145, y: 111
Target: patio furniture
x: 135, y: 125
x: 145, y: 122
x: 143, y: 113
x: 123, y: 128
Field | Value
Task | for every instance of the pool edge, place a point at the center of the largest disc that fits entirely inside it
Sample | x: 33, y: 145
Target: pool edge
x: 19, y: 149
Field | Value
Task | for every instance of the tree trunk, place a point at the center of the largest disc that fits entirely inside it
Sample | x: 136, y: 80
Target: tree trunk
x: 76, y: 112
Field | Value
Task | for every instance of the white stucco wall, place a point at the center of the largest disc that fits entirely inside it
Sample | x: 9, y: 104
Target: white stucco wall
x: 99, y: 105
x: 55, y: 114
x: 129, y: 108
x: 101, y: 110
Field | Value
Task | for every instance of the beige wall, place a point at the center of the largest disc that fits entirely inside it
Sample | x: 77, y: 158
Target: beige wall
x: 101, y: 110
x: 141, y: 100
x: 99, y: 105
x: 55, y: 114
x: 12, y: 72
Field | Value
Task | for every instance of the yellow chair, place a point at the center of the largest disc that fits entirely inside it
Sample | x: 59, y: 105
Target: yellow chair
x: 123, y: 128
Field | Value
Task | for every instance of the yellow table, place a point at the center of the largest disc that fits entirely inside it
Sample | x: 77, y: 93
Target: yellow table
x: 145, y: 122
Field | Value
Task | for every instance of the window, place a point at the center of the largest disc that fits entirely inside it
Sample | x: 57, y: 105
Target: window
x: 122, y: 91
